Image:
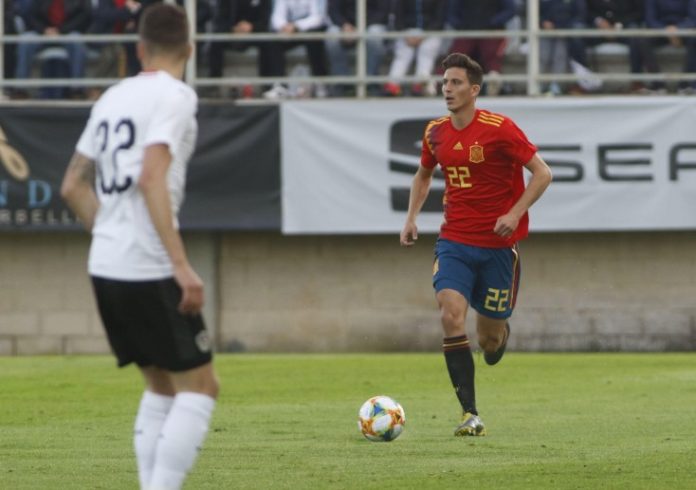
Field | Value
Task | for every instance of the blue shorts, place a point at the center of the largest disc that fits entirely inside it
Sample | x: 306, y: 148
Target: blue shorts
x: 487, y: 277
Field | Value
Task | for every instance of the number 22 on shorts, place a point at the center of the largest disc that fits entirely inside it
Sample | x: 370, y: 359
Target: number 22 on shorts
x: 497, y: 299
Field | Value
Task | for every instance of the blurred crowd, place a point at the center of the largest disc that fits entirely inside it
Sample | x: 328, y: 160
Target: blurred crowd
x: 41, y: 53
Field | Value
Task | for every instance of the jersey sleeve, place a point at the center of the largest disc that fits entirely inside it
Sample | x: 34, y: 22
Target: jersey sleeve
x: 173, y: 114
x: 428, y: 159
x: 518, y: 147
x: 87, y: 144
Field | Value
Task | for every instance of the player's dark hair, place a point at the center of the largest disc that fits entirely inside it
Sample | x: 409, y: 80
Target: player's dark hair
x: 164, y: 29
x: 461, y: 60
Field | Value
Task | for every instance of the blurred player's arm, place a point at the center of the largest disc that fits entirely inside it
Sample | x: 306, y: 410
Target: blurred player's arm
x: 77, y: 189
x: 541, y: 178
x: 419, y: 192
x: 153, y: 185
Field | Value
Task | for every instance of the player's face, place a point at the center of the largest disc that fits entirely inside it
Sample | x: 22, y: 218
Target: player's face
x: 457, y: 89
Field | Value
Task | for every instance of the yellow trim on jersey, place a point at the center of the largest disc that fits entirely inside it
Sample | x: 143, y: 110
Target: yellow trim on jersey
x: 489, y: 118
x: 434, y: 122
x: 490, y: 115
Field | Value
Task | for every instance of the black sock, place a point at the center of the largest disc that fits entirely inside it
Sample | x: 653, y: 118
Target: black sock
x: 460, y: 364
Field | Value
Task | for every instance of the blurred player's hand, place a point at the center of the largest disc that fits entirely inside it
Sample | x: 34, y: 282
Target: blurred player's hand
x: 506, y: 225
x: 409, y: 234
x: 191, y: 290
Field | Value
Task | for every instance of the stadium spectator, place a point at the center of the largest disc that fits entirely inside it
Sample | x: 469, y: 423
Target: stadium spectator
x: 111, y: 17
x: 611, y: 16
x: 554, y: 51
x: 672, y: 15
x: 482, y: 155
x: 475, y: 15
x: 240, y: 17
x: 50, y: 19
x: 413, y: 17
x: 290, y: 17
x: 8, y: 50
x: 15, y: 17
x: 342, y: 16
x: 148, y: 295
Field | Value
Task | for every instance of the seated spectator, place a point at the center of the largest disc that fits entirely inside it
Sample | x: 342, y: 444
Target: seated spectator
x: 553, y: 51
x: 240, y: 17
x: 111, y: 17
x: 611, y: 16
x: 8, y: 51
x: 672, y: 15
x: 413, y: 17
x: 475, y: 15
x: 291, y: 17
x: 50, y: 19
x: 342, y: 17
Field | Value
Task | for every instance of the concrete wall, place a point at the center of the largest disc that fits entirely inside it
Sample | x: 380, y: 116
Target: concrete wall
x: 621, y: 291
x: 266, y: 292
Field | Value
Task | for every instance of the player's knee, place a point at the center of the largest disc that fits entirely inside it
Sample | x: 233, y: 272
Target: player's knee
x: 491, y: 342
x: 451, y: 318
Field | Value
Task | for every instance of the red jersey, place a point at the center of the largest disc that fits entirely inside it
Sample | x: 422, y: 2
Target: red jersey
x: 483, y: 167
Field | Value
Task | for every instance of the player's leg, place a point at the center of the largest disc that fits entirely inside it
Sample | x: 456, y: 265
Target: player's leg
x: 155, y: 404
x: 452, y: 278
x: 458, y: 357
x: 494, y: 299
x: 123, y: 318
x: 186, y: 426
x: 169, y: 346
x: 455, y: 345
x: 492, y: 334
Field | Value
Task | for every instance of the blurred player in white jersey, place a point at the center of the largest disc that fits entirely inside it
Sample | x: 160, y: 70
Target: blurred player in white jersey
x: 126, y: 183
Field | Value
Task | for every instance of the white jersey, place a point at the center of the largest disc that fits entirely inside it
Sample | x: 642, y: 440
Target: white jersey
x: 150, y: 108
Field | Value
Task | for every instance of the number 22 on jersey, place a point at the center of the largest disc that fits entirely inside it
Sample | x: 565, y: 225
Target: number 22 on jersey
x: 458, y: 176
x: 123, y: 132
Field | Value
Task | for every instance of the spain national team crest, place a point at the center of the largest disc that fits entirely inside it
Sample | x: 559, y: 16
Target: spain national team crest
x: 476, y: 154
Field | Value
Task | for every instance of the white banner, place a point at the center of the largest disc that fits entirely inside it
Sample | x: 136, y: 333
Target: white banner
x: 619, y: 163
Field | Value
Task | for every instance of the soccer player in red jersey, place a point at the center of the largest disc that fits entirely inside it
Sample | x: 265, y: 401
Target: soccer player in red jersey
x: 476, y: 260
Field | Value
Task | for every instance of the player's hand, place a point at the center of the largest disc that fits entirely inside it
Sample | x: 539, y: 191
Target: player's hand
x: 191, y: 290
x: 409, y: 234
x: 506, y: 225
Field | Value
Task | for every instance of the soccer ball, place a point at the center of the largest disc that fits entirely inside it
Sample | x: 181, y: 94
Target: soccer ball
x: 381, y: 419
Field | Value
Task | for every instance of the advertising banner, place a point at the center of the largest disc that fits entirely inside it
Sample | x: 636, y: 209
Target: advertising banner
x: 233, y: 177
x: 619, y: 163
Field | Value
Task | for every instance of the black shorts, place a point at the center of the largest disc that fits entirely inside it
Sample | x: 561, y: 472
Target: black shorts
x: 144, y: 326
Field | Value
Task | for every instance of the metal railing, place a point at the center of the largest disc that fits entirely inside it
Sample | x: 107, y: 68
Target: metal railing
x: 531, y: 78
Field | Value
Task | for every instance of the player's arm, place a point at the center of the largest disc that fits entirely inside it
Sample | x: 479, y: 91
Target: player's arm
x: 153, y: 185
x: 541, y: 178
x: 419, y: 192
x: 77, y: 189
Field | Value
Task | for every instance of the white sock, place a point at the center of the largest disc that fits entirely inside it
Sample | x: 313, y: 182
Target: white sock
x: 182, y: 436
x: 152, y: 413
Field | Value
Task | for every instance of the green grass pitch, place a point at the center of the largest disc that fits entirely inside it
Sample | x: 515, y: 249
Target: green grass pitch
x: 585, y: 421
